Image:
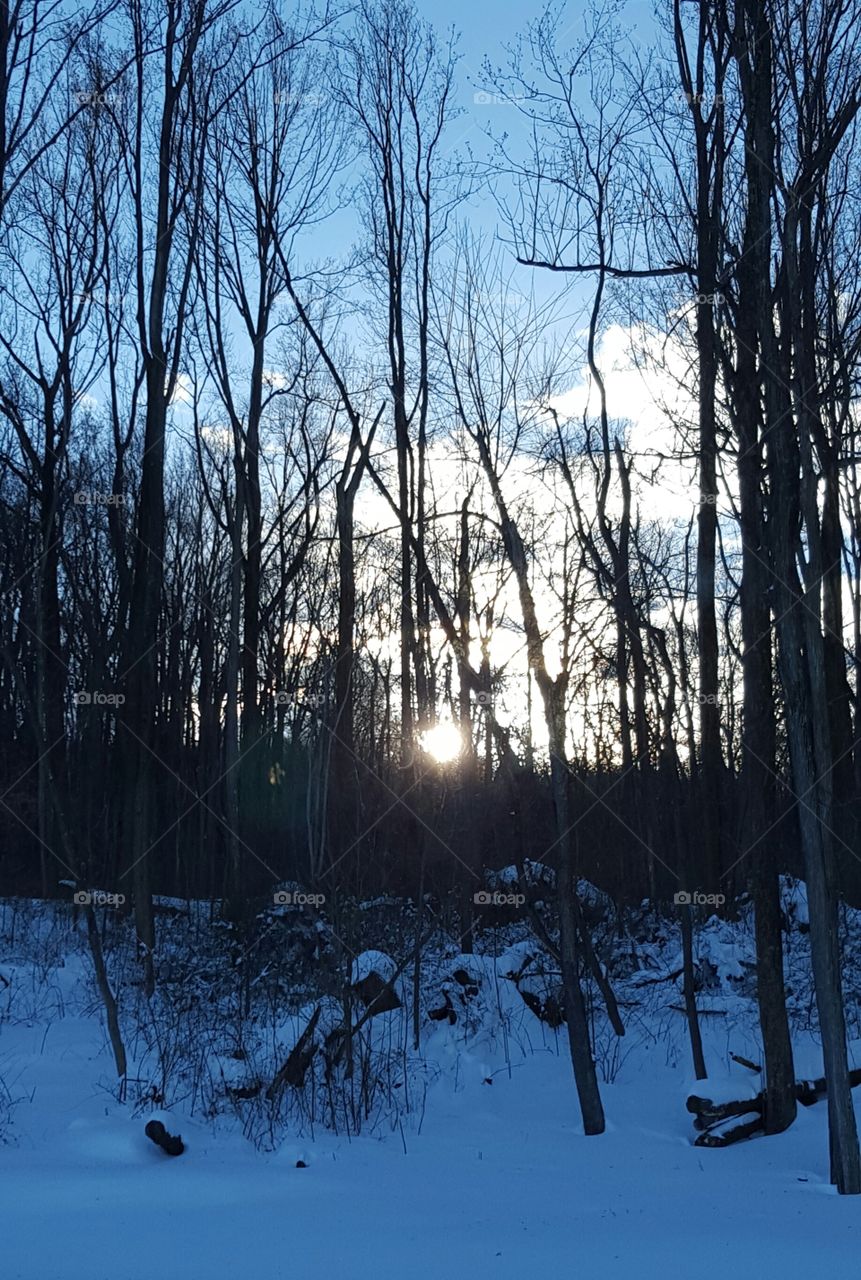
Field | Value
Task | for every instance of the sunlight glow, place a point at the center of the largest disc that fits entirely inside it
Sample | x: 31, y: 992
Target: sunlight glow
x: 443, y: 742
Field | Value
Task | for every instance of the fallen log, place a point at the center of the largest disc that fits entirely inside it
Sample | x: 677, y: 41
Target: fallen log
x: 727, y: 1132
x: 711, y: 1118
x: 809, y: 1091
x: 706, y: 1113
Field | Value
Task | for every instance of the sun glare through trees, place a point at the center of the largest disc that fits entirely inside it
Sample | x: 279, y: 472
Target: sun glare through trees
x: 430, y: 639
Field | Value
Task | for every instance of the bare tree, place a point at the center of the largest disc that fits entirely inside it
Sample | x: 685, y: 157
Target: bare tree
x: 52, y: 356
x: 177, y: 103
x: 823, y: 88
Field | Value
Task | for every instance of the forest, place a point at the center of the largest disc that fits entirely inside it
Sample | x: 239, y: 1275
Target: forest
x: 430, y: 525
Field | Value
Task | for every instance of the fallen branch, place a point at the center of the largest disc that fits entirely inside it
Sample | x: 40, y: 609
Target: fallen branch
x: 298, y: 1061
x: 746, y: 1062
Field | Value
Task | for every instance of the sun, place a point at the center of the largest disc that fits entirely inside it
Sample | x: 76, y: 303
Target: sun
x: 443, y: 742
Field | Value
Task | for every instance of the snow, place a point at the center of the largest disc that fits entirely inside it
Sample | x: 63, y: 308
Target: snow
x: 793, y: 899
x: 486, y: 1176
x: 173, y: 904
x: 726, y: 1087
x: 537, y: 873
x: 515, y: 958
x: 373, y: 962
x: 719, y: 945
x: 501, y: 1183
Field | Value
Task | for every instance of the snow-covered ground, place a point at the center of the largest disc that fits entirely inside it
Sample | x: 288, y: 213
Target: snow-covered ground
x: 490, y: 1176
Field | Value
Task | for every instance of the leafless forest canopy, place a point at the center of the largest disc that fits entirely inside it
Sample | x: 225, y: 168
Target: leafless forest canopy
x: 378, y: 507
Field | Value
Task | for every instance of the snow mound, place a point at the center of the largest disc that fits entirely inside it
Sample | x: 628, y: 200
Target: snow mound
x: 536, y: 874
x: 372, y: 962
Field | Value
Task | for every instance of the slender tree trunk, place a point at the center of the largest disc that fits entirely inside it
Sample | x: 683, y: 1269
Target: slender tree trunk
x: 758, y: 763
x: 579, y: 1042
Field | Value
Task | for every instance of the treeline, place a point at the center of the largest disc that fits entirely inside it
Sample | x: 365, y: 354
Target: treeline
x: 271, y: 511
